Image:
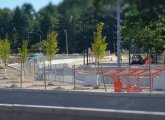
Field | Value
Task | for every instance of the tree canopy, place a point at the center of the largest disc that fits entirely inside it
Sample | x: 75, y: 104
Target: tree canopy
x: 79, y: 17
x: 99, y: 46
x: 5, y: 50
x: 51, y: 45
x: 24, y: 52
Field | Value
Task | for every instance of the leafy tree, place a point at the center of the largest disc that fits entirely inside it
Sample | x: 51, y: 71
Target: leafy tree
x: 24, y: 52
x: 29, y: 15
x: 46, y: 24
x: 48, y: 18
x: 51, y: 46
x: 159, y: 35
x: 143, y: 23
x: 150, y: 11
x: 5, y: 18
x: 5, y: 52
x: 164, y: 50
x: 1, y: 47
x: 99, y: 46
x: 132, y: 34
x: 86, y: 13
x: 20, y: 23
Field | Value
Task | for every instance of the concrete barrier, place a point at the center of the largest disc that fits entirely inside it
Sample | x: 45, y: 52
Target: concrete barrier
x: 31, y: 112
x: 120, y: 101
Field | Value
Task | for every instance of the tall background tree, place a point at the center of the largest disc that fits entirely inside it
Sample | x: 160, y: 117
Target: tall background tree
x: 143, y: 26
x: 78, y: 18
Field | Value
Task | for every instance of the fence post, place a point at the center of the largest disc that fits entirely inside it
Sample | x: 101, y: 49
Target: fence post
x: 84, y: 57
x: 21, y: 76
x: 30, y: 68
x: 44, y: 76
x: 149, y: 67
x: 55, y: 72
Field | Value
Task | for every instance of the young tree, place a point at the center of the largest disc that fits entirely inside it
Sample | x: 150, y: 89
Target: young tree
x: 5, y: 52
x: 99, y: 46
x: 51, y: 46
x: 1, y: 47
x: 24, y: 52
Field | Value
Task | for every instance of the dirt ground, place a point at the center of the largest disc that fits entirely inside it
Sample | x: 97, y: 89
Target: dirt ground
x: 13, y: 80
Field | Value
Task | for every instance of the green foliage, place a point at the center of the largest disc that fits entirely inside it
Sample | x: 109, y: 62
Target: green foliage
x: 50, y: 46
x: 131, y: 34
x: 5, y: 17
x: 164, y: 49
x: 136, y: 15
x: 1, y: 47
x: 99, y: 46
x: 23, y: 51
x: 140, y: 28
x: 36, y: 47
x: 5, y: 50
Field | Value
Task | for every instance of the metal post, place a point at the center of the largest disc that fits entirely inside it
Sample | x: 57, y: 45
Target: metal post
x: 21, y: 76
x: 118, y: 34
x: 114, y: 47
x: 129, y: 55
x: 74, y: 68
x: 87, y: 56
x: 149, y: 63
x: 66, y: 36
x: 84, y: 57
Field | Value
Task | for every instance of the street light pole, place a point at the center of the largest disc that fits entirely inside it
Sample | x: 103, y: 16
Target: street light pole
x: 39, y: 38
x: 66, y: 36
x: 118, y: 35
x: 40, y: 45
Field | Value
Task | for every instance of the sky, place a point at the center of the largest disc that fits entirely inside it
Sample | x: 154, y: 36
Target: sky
x: 37, y: 4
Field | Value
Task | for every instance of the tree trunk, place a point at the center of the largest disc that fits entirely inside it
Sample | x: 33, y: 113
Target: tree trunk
x: 24, y: 68
x: 156, y: 57
x: 98, y: 61
x: 45, y: 76
x: 50, y: 65
x: 23, y: 72
x: 22, y: 75
x: 5, y: 71
x: 97, y: 81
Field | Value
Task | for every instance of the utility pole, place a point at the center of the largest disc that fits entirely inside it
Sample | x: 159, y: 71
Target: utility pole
x: 118, y: 34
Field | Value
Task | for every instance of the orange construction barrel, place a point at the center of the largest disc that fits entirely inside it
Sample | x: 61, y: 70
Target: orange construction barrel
x: 118, y: 85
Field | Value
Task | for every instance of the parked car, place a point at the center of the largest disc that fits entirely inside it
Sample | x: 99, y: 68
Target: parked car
x: 137, y: 59
x: 35, y: 56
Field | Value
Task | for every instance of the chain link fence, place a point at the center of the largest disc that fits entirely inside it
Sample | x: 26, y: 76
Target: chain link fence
x: 40, y: 75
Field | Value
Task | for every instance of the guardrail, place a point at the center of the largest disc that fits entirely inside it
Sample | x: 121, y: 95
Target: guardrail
x: 33, y: 112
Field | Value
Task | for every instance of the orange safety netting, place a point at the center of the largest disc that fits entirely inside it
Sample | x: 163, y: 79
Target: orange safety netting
x: 136, y: 72
x: 120, y: 73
